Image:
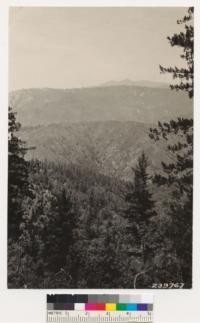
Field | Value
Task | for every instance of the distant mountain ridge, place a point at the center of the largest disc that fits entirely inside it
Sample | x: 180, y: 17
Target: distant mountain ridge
x: 105, y: 128
x: 142, y: 83
x: 104, y: 103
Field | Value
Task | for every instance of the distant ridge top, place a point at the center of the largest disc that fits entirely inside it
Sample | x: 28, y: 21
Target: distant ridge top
x: 128, y: 82
x: 125, y: 82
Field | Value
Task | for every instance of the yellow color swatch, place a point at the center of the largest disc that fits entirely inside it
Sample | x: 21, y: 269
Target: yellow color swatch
x: 110, y: 307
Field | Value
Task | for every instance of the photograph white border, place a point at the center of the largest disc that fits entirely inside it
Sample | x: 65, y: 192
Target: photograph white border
x: 171, y: 306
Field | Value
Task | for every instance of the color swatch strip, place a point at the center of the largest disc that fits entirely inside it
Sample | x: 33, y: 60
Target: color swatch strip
x: 99, y: 302
x: 99, y: 307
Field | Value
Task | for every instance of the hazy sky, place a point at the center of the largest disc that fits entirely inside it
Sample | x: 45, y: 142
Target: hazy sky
x: 75, y: 47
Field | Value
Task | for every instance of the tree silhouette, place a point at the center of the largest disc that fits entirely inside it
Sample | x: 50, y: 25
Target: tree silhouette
x: 141, y: 205
x: 184, y: 40
x: 18, y: 184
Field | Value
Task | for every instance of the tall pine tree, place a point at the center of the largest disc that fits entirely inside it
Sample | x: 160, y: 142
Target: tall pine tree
x: 18, y: 184
x: 184, y: 40
x: 141, y: 205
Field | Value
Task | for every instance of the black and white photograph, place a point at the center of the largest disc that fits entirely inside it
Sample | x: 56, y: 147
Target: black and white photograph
x: 100, y: 148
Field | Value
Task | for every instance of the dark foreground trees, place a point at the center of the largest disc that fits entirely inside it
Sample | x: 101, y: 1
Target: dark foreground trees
x: 74, y: 232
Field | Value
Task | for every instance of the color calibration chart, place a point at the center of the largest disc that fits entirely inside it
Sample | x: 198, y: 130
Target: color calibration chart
x: 100, y: 308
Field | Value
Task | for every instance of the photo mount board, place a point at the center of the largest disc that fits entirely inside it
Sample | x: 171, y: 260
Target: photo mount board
x: 28, y: 306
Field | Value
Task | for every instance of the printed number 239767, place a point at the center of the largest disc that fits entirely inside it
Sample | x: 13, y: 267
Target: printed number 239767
x: 168, y: 285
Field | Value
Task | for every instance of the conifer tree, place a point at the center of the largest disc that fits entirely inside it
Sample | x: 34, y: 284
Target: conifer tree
x: 18, y: 184
x: 184, y: 40
x: 141, y: 205
x: 62, y: 228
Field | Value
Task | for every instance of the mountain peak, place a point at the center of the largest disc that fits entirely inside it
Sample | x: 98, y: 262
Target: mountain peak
x: 142, y: 83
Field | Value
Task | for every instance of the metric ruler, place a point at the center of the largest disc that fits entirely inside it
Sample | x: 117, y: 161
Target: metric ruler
x: 100, y: 308
x: 100, y: 317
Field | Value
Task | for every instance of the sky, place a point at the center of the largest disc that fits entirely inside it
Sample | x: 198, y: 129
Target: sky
x: 80, y: 47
